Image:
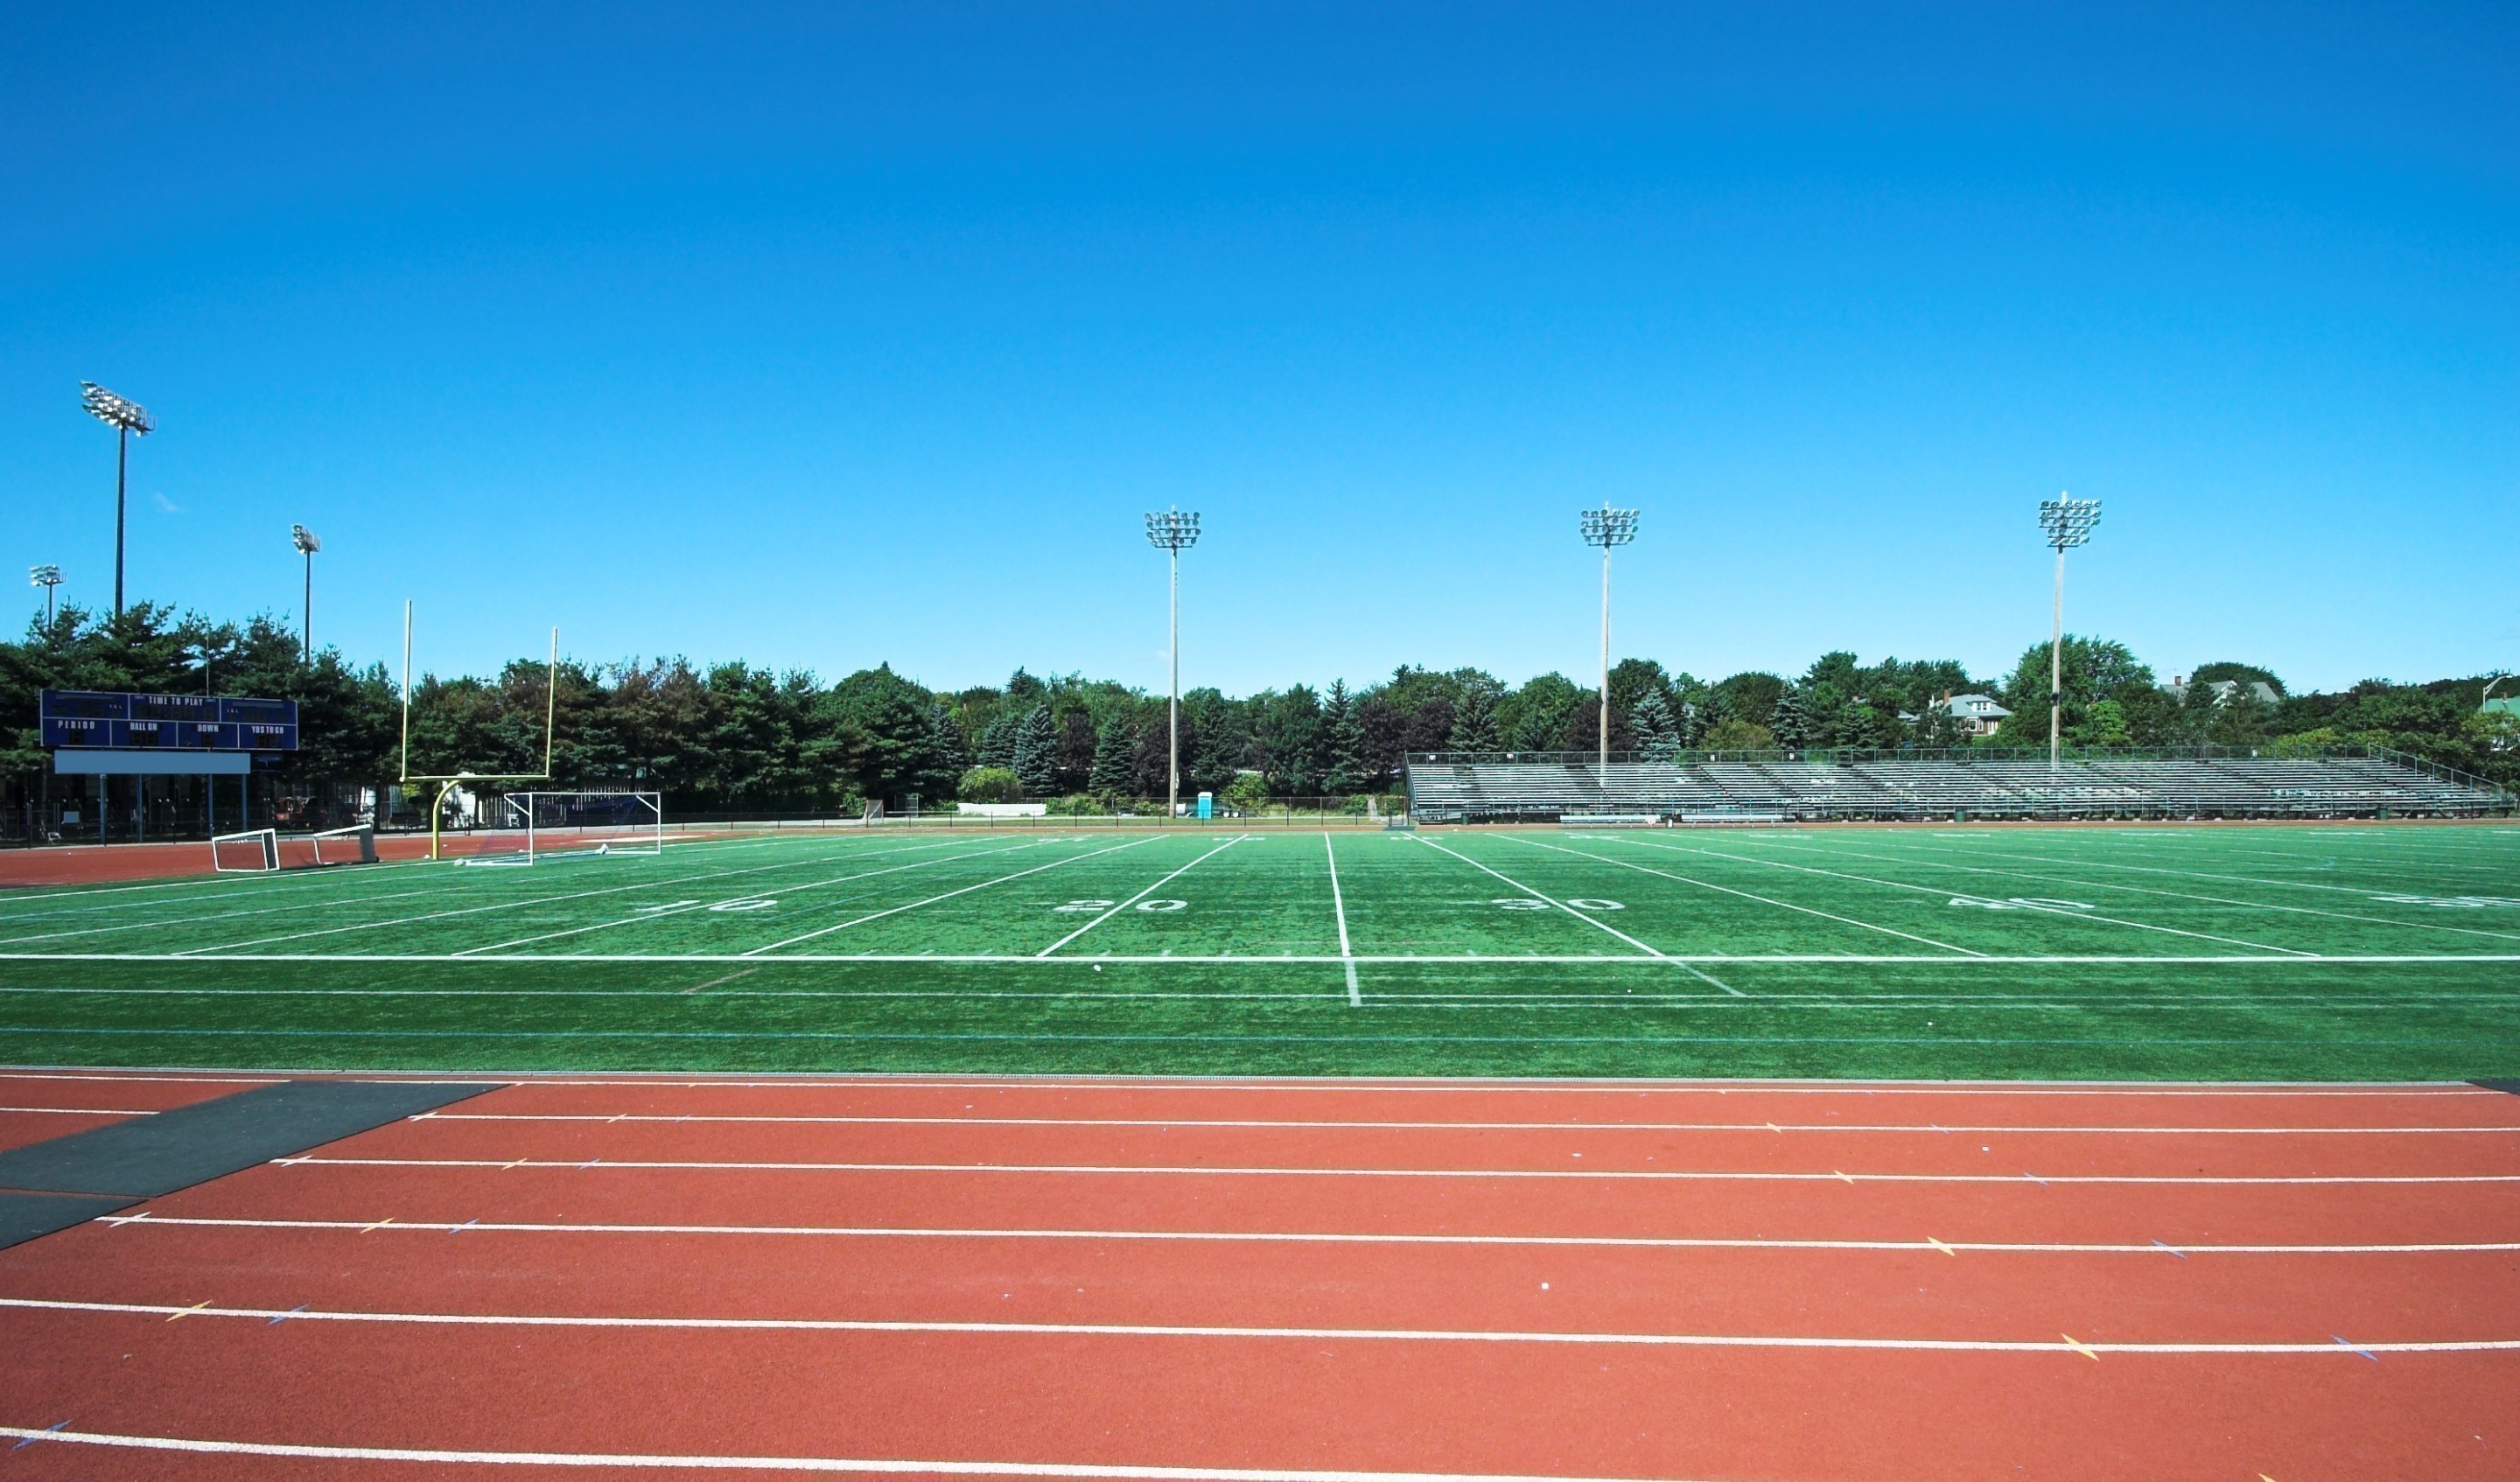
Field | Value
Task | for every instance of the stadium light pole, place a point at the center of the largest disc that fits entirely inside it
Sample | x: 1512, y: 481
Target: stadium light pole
x: 48, y: 577
x: 1174, y: 531
x: 307, y: 545
x: 1607, y: 526
x: 126, y: 418
x: 2068, y: 523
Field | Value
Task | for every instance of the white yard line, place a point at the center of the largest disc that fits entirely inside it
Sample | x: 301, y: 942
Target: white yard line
x: 1338, y: 903
x: 157, y: 923
x: 1909, y: 859
x: 1581, y: 915
x: 947, y: 896
x: 402, y: 1226
x: 1492, y: 960
x: 1304, y: 1123
x: 1054, y: 947
x: 2031, y: 905
x: 1591, y: 1175
x: 1224, y: 1331
x: 518, y: 905
x: 1762, y: 899
x: 686, y: 908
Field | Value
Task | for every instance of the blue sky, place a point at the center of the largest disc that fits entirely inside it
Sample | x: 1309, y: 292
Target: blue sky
x: 827, y: 336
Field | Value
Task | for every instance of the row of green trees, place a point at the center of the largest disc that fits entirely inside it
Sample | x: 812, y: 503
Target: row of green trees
x: 733, y: 737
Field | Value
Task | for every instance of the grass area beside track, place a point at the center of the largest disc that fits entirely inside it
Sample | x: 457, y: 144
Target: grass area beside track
x: 2346, y: 952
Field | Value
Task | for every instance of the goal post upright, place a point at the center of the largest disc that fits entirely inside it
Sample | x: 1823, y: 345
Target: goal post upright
x: 437, y: 797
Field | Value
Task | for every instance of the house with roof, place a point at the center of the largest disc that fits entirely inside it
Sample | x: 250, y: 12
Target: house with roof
x: 2223, y: 689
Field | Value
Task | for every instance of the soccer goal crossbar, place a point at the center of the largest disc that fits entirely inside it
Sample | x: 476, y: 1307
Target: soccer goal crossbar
x: 256, y: 851
x: 539, y: 825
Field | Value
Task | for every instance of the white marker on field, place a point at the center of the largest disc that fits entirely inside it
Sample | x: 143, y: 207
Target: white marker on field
x: 1338, y: 903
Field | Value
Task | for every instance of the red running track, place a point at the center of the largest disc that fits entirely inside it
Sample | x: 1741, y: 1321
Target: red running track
x: 1218, y: 1282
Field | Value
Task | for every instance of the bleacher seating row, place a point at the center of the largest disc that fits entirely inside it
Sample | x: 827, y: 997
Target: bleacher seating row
x: 1875, y: 786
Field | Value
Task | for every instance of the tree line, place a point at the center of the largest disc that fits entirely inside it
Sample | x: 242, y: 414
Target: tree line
x: 732, y: 737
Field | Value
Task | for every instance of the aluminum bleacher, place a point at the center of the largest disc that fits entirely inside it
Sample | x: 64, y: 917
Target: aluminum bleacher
x: 2186, y: 783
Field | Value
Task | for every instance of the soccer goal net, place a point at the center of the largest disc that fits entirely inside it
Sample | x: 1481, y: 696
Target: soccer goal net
x: 548, y: 826
x: 258, y: 850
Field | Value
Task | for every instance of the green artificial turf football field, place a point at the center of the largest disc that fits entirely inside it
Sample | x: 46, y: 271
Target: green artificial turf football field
x: 2362, y: 952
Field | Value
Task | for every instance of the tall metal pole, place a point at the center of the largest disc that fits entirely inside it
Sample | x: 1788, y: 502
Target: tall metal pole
x: 2068, y: 523
x: 2056, y: 667
x: 121, y: 465
x: 1172, y: 650
x: 1605, y: 663
x: 306, y: 616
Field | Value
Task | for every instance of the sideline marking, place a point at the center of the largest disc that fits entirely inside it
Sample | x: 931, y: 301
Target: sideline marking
x: 1663, y: 958
x: 855, y: 1464
x: 1141, y: 895
x: 1349, y: 1124
x: 1658, y: 1175
x: 1309, y: 1334
x: 1323, y: 1238
x: 1338, y: 903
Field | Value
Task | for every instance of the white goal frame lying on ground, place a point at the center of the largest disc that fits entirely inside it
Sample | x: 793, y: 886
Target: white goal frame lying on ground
x: 261, y: 851
x: 552, y: 825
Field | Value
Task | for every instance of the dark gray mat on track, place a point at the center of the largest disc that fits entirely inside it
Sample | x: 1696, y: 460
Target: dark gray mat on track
x: 2513, y: 1087
x: 25, y: 1216
x: 152, y: 1156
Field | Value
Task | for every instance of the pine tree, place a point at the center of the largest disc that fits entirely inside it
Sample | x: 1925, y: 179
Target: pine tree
x: 1474, y: 725
x: 998, y: 740
x: 1115, y: 752
x: 1037, y: 754
x: 1793, y: 723
x: 1657, y: 734
x: 1344, y: 739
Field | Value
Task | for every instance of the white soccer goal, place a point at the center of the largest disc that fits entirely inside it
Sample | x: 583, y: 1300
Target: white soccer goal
x: 551, y: 826
x: 257, y: 851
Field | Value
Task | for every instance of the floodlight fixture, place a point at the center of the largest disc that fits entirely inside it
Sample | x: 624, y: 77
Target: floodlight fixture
x: 1607, y: 526
x: 1173, y: 531
x: 129, y: 419
x: 48, y: 577
x: 307, y: 545
x: 2068, y: 523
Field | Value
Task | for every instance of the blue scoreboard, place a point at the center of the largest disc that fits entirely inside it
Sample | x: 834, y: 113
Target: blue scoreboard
x: 85, y: 718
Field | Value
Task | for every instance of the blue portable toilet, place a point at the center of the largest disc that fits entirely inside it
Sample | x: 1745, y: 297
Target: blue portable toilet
x: 1207, y: 805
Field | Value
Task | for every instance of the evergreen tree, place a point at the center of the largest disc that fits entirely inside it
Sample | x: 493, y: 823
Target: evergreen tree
x: 1037, y: 754
x: 1474, y: 722
x: 998, y: 740
x: 1115, y: 754
x: 1344, y: 738
x: 1657, y: 733
x: 1793, y: 723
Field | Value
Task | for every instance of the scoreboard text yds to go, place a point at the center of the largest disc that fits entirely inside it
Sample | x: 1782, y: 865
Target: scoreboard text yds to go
x: 91, y: 719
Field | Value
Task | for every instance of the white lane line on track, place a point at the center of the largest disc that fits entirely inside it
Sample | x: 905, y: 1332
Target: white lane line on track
x: 1593, y: 1175
x: 1053, y: 949
x: 1221, y: 1331
x: 782, y: 891
x: 2070, y: 914
x: 933, y: 899
x: 1330, y: 1237
x: 1338, y: 903
x: 1940, y: 1128
x: 1585, y: 916
x: 539, y: 900
x: 887, y: 1466
x: 1968, y: 952
x: 77, y: 1111
x: 1659, y: 959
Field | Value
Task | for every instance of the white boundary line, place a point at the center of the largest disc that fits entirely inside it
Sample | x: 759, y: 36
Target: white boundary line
x: 1053, y: 949
x: 1969, y: 1128
x: 401, y: 1226
x: 1593, y: 1175
x: 1224, y: 1331
x: 1338, y: 903
x: 1768, y: 900
x: 1431, y: 959
x: 933, y: 899
x: 888, y: 1466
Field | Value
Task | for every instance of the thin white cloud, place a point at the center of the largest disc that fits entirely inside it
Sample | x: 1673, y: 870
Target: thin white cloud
x: 167, y: 504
